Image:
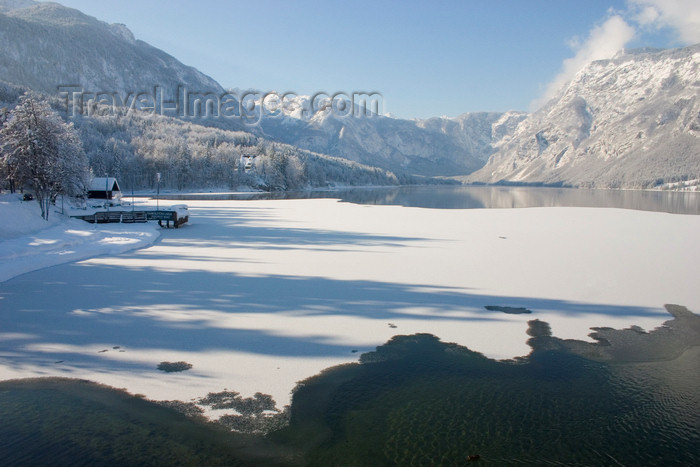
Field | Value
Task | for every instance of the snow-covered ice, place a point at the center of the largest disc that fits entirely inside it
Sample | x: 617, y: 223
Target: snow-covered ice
x: 258, y: 295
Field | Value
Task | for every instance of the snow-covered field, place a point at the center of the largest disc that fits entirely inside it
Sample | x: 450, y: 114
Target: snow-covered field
x: 258, y: 295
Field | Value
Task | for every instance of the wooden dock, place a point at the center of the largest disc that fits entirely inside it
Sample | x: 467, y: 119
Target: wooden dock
x: 129, y: 216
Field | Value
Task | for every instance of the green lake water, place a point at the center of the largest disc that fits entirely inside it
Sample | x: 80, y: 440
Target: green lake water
x: 414, y: 401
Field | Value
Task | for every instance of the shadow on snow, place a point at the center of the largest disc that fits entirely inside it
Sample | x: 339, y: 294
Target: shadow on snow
x: 89, y: 304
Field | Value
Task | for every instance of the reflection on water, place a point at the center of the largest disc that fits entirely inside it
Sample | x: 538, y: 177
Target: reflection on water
x: 475, y: 197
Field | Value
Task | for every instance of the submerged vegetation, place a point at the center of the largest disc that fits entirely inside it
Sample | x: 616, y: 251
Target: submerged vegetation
x: 172, y: 367
x: 413, y: 401
x: 53, y: 421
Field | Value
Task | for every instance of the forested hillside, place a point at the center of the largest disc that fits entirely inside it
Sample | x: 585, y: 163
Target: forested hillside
x: 133, y: 146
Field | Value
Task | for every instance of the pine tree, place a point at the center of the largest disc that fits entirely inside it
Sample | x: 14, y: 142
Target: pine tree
x: 40, y: 149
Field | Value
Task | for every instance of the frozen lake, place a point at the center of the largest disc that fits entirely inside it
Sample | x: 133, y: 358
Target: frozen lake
x: 259, y: 294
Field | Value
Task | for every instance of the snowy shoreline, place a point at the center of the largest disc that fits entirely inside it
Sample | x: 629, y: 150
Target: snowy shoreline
x: 28, y: 243
x: 258, y: 295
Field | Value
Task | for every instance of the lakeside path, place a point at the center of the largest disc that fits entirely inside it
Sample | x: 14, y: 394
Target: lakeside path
x: 258, y: 295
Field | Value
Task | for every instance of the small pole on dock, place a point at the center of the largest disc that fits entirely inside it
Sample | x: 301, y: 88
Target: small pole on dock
x: 157, y: 190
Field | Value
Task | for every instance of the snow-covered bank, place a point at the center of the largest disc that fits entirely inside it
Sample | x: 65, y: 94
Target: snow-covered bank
x: 28, y: 242
x: 258, y: 295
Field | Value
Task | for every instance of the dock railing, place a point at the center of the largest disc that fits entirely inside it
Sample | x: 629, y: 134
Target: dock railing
x: 128, y: 216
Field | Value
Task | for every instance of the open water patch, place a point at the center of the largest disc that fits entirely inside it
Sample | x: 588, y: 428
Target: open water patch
x: 629, y: 398
x: 419, y: 401
x: 479, y: 197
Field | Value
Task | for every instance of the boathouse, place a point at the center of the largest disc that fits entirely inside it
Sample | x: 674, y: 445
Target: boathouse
x: 104, y: 188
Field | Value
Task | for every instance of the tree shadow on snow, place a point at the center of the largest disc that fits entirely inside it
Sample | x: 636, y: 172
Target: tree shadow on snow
x: 147, y: 307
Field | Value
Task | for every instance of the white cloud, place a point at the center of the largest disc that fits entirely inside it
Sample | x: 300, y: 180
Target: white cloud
x: 608, y: 38
x: 604, y: 41
x: 682, y: 16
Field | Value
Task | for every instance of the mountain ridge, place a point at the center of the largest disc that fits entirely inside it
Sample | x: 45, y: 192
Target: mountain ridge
x: 432, y: 147
x: 47, y: 45
x: 632, y: 121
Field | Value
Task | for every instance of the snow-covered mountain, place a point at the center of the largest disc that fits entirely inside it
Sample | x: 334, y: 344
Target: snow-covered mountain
x: 46, y: 45
x: 631, y: 121
x: 434, y: 147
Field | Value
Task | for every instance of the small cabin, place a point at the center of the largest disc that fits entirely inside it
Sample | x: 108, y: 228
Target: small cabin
x: 247, y: 162
x: 104, y: 188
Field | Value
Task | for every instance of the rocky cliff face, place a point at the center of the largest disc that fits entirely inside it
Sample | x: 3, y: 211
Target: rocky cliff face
x: 632, y: 121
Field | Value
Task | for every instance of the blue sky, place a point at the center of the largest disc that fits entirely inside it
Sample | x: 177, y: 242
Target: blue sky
x: 426, y: 58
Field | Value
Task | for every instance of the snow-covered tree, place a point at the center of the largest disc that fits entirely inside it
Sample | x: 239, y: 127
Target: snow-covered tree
x: 4, y: 115
x: 40, y: 149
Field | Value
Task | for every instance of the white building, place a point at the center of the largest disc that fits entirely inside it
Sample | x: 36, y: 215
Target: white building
x: 248, y: 162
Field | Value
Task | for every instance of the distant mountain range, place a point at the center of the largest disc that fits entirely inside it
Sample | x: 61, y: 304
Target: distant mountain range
x: 434, y: 147
x: 632, y: 121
